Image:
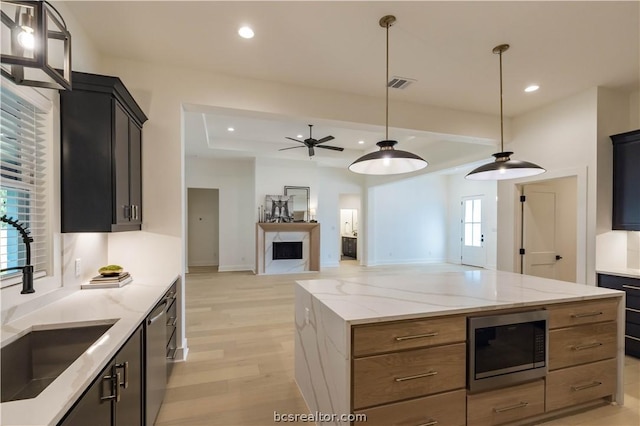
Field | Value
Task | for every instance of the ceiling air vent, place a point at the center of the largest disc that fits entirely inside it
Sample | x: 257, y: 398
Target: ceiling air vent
x: 400, y: 82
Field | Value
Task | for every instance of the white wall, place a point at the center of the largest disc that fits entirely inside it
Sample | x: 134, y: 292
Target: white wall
x: 408, y: 221
x: 458, y: 187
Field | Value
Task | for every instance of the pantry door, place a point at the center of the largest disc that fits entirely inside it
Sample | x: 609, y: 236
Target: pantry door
x: 473, y: 251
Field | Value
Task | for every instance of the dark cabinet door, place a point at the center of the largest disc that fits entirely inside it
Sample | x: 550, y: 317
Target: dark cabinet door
x: 95, y: 406
x: 626, y: 175
x: 121, y: 164
x: 135, y: 172
x: 128, y: 362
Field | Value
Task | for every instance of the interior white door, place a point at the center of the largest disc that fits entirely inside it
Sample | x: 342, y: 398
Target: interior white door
x: 473, y: 251
x: 549, y: 229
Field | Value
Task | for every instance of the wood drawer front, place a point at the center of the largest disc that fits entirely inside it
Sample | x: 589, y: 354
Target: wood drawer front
x: 380, y: 338
x: 506, y: 405
x: 584, y: 383
x: 443, y: 409
x: 582, y: 344
x: 566, y: 315
x: 386, y: 378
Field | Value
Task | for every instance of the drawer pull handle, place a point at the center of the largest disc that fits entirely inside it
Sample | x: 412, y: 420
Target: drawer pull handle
x: 416, y: 336
x: 630, y: 287
x: 583, y: 387
x: 512, y: 407
x: 429, y: 423
x: 588, y: 346
x: 633, y: 310
x: 631, y: 337
x: 417, y: 376
x: 586, y: 314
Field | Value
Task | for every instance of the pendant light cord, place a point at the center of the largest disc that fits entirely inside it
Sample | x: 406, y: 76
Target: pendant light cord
x: 387, y: 89
x: 501, y: 119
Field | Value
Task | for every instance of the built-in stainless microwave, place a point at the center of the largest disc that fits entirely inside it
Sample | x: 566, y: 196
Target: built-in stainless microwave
x: 506, y: 349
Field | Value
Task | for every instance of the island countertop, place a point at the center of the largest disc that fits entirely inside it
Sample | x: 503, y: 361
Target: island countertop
x: 367, y: 299
x: 125, y: 307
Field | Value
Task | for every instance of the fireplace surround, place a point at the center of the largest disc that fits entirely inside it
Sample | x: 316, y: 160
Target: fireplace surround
x: 268, y: 233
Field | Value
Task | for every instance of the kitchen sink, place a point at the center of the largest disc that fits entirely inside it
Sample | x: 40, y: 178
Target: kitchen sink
x: 33, y: 362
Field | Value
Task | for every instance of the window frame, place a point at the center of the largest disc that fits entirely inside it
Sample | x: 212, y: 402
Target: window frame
x: 45, y: 101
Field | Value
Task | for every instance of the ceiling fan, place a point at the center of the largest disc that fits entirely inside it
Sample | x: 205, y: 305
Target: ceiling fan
x: 312, y: 143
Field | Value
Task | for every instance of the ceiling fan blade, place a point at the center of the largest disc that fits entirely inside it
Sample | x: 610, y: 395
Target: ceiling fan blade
x: 325, y: 139
x: 311, y: 151
x: 286, y: 137
x: 335, y: 148
x: 291, y: 147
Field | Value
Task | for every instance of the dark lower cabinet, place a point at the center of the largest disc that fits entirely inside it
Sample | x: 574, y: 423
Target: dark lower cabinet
x: 631, y: 286
x: 350, y: 247
x: 626, y: 175
x: 116, y: 396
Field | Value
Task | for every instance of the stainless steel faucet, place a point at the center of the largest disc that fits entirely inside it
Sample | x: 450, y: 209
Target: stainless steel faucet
x: 27, y: 270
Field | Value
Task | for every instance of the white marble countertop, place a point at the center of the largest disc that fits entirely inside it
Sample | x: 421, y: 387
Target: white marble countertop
x: 622, y: 272
x: 127, y: 306
x: 360, y: 300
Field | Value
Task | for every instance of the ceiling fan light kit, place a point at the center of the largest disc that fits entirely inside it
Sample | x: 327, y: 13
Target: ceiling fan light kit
x: 503, y: 167
x: 387, y: 161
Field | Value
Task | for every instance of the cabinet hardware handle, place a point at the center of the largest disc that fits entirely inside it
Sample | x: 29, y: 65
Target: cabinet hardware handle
x: 416, y: 336
x: 417, y: 376
x: 125, y: 382
x: 126, y: 211
x: 115, y: 381
x: 587, y: 346
x: 583, y: 387
x: 586, y: 314
x: 630, y: 287
x: 631, y: 337
x: 512, y: 407
x: 633, y: 310
x: 429, y: 423
x: 172, y: 322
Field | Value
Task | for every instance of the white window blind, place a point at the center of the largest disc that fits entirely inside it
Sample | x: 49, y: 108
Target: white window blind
x: 22, y: 189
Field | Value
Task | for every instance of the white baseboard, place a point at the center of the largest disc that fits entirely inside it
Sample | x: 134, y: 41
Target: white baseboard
x: 203, y: 263
x: 235, y: 268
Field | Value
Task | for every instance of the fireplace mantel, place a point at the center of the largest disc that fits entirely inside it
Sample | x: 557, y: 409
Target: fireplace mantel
x: 313, y: 230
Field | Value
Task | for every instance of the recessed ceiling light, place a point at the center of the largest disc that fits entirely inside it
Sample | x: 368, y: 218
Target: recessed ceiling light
x: 532, y: 88
x: 246, y: 32
x: 230, y: 129
x: 299, y: 136
x: 361, y: 142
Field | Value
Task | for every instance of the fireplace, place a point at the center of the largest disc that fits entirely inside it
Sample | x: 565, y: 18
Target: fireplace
x: 287, y: 250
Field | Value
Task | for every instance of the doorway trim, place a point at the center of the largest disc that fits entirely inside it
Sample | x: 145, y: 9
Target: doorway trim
x: 582, y: 249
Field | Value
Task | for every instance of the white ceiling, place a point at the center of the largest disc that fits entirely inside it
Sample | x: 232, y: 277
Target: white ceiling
x: 565, y: 47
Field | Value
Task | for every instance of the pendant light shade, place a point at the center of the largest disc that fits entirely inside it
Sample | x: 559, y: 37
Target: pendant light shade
x: 37, y: 48
x: 387, y: 161
x: 503, y: 167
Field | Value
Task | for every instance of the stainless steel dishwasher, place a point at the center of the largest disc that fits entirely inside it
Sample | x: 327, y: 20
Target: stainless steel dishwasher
x: 156, y: 359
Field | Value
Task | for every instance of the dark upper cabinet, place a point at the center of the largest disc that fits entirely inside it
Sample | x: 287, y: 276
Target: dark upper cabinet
x: 101, y: 174
x: 626, y: 181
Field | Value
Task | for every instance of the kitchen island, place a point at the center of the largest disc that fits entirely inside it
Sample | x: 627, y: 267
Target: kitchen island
x: 355, y: 351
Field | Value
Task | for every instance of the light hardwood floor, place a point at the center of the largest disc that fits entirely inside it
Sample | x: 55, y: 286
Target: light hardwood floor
x: 240, y: 365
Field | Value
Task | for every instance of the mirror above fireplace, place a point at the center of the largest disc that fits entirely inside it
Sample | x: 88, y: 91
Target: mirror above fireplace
x: 300, y: 202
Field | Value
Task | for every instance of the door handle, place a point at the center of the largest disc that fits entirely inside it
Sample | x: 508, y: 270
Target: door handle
x: 558, y: 257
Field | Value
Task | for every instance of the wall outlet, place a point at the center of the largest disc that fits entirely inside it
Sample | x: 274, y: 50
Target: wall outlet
x: 306, y: 316
x: 78, y: 267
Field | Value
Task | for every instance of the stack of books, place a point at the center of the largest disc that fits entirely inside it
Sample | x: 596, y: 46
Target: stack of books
x: 108, y: 281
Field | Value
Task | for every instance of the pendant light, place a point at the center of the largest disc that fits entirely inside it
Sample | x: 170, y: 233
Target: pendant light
x: 387, y: 161
x: 504, y: 167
